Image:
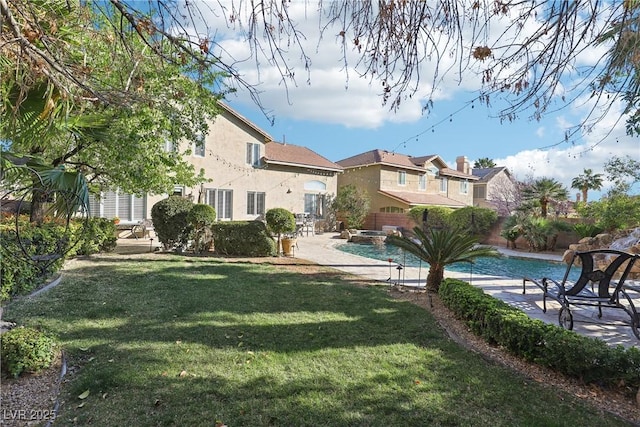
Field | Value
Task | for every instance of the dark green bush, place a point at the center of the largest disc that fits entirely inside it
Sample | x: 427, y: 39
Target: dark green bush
x: 243, y: 238
x: 437, y: 216
x: 476, y: 221
x: 26, y: 350
x: 170, y: 221
x: 589, y: 359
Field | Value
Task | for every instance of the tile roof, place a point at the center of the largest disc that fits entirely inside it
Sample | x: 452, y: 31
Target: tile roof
x: 295, y: 155
x: 457, y: 174
x: 485, y: 174
x: 415, y: 199
x: 386, y: 158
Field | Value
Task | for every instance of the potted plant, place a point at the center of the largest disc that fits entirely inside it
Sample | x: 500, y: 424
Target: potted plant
x: 281, y: 221
x: 116, y: 220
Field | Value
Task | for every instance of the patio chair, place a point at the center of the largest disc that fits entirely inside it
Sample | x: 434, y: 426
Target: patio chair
x: 142, y: 229
x: 594, y: 287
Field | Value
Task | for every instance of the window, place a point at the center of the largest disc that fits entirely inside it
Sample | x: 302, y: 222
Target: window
x: 315, y: 204
x: 210, y: 197
x: 479, y: 191
x: 199, y: 148
x: 255, y: 203
x: 392, y: 209
x: 222, y: 201
x: 464, y: 187
x: 422, y: 182
x: 253, y: 154
x: 178, y: 190
x: 110, y: 204
x: 169, y: 146
x: 444, y: 184
x: 224, y: 206
x: 402, y: 178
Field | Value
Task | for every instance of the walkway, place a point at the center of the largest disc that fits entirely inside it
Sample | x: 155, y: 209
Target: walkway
x: 321, y: 250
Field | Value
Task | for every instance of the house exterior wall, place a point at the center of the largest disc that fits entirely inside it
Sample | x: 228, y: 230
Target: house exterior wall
x: 366, y: 178
x: 225, y: 167
x: 385, y: 177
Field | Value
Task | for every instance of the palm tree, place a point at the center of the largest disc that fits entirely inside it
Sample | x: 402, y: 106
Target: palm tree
x: 587, y: 181
x: 545, y: 191
x: 439, y: 249
x: 484, y: 163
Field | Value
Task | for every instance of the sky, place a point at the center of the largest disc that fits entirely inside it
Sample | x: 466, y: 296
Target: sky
x: 337, y: 114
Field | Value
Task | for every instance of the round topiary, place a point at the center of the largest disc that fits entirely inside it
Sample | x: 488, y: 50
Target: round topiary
x: 26, y: 350
x: 201, y: 216
x: 170, y: 221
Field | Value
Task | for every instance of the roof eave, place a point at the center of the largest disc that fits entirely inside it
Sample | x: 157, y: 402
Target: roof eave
x: 301, y: 165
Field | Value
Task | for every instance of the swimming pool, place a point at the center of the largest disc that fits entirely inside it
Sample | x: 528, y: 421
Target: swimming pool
x: 504, y: 266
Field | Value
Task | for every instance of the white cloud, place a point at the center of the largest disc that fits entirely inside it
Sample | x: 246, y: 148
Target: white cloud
x: 540, y: 132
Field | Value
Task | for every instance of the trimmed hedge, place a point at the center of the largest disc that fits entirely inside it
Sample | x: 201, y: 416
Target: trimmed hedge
x: 243, y: 238
x: 588, y: 359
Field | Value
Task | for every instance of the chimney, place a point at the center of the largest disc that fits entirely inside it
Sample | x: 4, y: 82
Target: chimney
x: 462, y: 165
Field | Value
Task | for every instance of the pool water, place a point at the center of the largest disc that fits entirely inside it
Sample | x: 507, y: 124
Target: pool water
x: 503, y: 266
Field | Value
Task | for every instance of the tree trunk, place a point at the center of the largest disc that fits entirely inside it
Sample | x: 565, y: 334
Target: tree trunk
x: 38, y: 200
x: 434, y: 278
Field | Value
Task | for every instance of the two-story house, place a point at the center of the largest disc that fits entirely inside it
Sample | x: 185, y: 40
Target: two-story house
x: 495, y: 189
x: 396, y: 182
x: 246, y: 174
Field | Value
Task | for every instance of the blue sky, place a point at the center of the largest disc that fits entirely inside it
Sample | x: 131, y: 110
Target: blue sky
x: 336, y: 114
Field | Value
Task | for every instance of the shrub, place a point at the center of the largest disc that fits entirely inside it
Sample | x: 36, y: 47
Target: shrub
x: 477, y: 221
x: 588, y: 359
x: 170, y: 221
x: 20, y: 274
x: 26, y: 350
x: 587, y: 230
x: 353, y: 203
x: 98, y: 235
x: 201, y: 217
x: 437, y: 216
x: 243, y: 238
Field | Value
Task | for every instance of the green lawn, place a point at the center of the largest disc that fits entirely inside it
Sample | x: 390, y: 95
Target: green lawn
x: 175, y: 341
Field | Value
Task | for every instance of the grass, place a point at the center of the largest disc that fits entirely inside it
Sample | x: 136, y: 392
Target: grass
x: 175, y: 341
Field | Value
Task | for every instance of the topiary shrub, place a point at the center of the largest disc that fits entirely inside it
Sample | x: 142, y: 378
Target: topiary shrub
x: 243, y: 238
x: 26, y: 350
x: 280, y: 221
x: 170, y: 223
x: 201, y: 217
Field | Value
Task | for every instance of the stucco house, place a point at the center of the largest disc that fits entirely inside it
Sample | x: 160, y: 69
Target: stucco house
x: 248, y: 173
x: 495, y: 189
x: 397, y: 182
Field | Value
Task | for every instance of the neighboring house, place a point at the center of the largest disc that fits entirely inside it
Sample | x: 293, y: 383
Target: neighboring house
x: 397, y: 182
x: 495, y: 189
x: 247, y: 172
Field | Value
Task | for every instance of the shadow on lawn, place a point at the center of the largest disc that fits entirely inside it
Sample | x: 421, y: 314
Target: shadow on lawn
x: 133, y: 327
x: 213, y: 304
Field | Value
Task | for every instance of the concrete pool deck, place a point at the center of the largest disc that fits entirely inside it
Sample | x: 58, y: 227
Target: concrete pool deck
x: 320, y: 249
